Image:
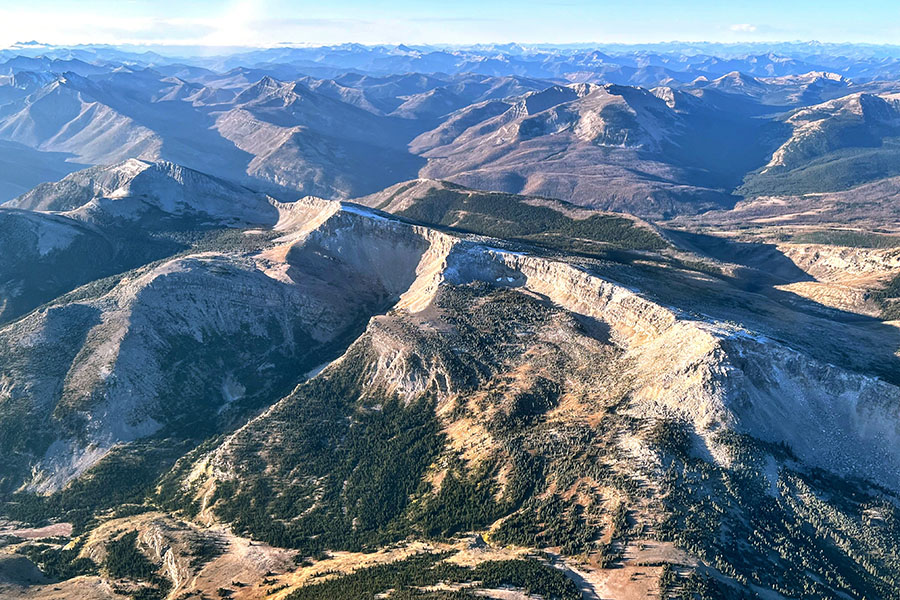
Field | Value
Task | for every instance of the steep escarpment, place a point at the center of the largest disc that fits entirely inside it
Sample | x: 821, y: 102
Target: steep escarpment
x: 348, y: 379
x: 716, y: 375
x: 185, y: 346
x: 531, y: 400
x: 549, y: 352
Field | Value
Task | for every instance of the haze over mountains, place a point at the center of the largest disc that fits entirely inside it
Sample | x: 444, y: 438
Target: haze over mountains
x: 684, y: 130
x: 447, y: 323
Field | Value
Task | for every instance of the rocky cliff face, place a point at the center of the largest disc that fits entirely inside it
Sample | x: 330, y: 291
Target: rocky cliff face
x: 198, y: 338
x: 492, y: 358
x: 715, y: 376
x: 344, y: 379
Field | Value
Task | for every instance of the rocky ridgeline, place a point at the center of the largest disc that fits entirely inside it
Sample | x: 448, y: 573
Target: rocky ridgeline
x: 715, y: 376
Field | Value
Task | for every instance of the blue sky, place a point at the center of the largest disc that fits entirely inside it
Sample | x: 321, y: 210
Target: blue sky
x: 270, y: 22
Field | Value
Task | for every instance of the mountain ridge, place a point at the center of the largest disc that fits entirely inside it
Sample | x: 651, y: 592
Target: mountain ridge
x: 442, y: 323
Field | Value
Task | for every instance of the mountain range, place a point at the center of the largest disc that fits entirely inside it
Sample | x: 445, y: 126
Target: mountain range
x: 670, y: 145
x: 446, y: 323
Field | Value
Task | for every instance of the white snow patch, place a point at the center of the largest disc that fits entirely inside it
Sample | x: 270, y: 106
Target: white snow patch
x: 52, y: 236
x: 363, y: 212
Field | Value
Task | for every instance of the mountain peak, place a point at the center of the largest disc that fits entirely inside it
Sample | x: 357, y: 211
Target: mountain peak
x: 126, y: 190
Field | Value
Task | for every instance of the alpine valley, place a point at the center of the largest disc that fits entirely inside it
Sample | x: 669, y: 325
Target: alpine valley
x: 414, y: 322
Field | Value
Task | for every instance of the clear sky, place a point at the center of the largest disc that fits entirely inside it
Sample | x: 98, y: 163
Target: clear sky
x: 270, y: 22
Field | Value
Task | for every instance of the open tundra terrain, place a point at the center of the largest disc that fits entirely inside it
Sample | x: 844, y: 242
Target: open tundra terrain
x: 418, y: 323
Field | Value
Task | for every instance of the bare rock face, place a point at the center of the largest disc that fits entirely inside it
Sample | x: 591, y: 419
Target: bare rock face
x: 489, y: 357
x: 136, y: 189
x: 574, y: 337
x: 339, y: 378
x: 719, y: 376
x: 200, y: 337
x: 716, y: 377
x: 352, y: 371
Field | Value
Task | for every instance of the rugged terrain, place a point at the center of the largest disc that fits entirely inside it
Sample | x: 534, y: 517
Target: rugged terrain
x: 656, y: 135
x: 489, y: 393
x: 417, y: 323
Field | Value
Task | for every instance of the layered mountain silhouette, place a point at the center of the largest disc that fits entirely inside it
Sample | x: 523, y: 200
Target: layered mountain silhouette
x: 414, y: 322
x: 673, y: 146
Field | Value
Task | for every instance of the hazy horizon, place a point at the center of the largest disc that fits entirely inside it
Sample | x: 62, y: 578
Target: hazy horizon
x: 264, y: 23
x: 421, y: 300
x: 38, y: 47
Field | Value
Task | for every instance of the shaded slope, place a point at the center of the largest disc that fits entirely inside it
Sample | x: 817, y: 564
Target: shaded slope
x: 610, y: 147
x: 45, y: 256
x: 525, y: 397
x: 541, y: 221
x: 833, y: 146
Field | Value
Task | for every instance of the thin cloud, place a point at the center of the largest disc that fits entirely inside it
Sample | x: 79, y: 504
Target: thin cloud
x: 307, y: 22
x: 743, y: 28
x: 452, y: 20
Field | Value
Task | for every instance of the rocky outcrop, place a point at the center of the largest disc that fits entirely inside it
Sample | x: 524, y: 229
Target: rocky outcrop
x: 716, y: 376
x: 123, y: 374
x: 200, y: 337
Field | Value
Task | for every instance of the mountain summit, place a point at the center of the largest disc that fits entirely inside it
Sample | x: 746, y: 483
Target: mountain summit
x: 405, y: 322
